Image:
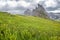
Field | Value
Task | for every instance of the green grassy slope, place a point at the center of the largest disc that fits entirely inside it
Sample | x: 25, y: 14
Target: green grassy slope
x: 14, y: 27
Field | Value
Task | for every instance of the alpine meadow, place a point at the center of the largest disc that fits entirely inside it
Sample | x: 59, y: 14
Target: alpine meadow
x: 21, y: 27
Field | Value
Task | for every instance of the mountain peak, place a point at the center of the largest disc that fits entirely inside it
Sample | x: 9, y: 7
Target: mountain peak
x: 38, y: 11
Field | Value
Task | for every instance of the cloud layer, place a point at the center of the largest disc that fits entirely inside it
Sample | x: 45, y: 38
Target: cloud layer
x: 52, y: 5
x: 14, y: 5
x: 19, y: 6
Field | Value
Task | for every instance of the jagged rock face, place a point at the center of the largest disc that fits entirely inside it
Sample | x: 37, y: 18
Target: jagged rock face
x: 39, y: 12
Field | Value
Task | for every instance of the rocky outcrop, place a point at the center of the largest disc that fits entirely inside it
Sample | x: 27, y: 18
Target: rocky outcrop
x: 38, y: 11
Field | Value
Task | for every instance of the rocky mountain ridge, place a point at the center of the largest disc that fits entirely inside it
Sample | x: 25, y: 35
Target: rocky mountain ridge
x: 38, y: 11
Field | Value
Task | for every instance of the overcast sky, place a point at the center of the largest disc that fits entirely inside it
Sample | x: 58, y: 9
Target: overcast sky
x: 19, y: 6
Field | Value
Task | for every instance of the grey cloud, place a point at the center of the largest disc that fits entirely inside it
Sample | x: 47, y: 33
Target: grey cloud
x: 28, y: 0
x: 17, y: 8
x: 54, y: 8
x: 33, y: 3
x: 6, y: 7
